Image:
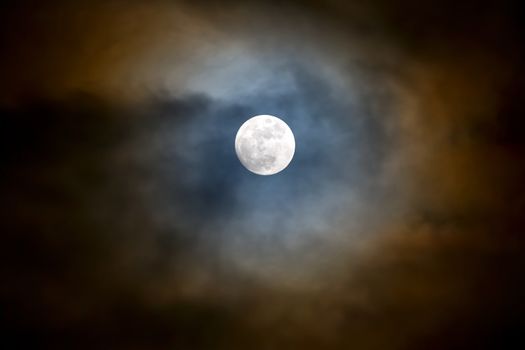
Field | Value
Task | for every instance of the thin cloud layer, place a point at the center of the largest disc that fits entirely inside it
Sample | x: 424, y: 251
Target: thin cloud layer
x: 129, y: 223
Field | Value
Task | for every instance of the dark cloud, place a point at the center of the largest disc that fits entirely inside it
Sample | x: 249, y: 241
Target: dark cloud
x: 128, y: 222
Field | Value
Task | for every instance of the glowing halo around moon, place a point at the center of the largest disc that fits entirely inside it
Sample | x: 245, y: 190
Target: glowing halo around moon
x: 265, y: 145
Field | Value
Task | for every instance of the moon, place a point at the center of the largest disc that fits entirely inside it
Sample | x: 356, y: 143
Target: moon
x: 265, y: 144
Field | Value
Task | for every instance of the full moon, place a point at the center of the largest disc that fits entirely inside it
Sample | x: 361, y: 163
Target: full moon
x: 265, y: 145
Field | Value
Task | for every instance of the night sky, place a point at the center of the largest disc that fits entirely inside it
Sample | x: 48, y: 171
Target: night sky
x: 127, y: 221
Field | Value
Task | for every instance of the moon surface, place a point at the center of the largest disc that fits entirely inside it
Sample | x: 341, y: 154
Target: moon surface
x: 265, y: 145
